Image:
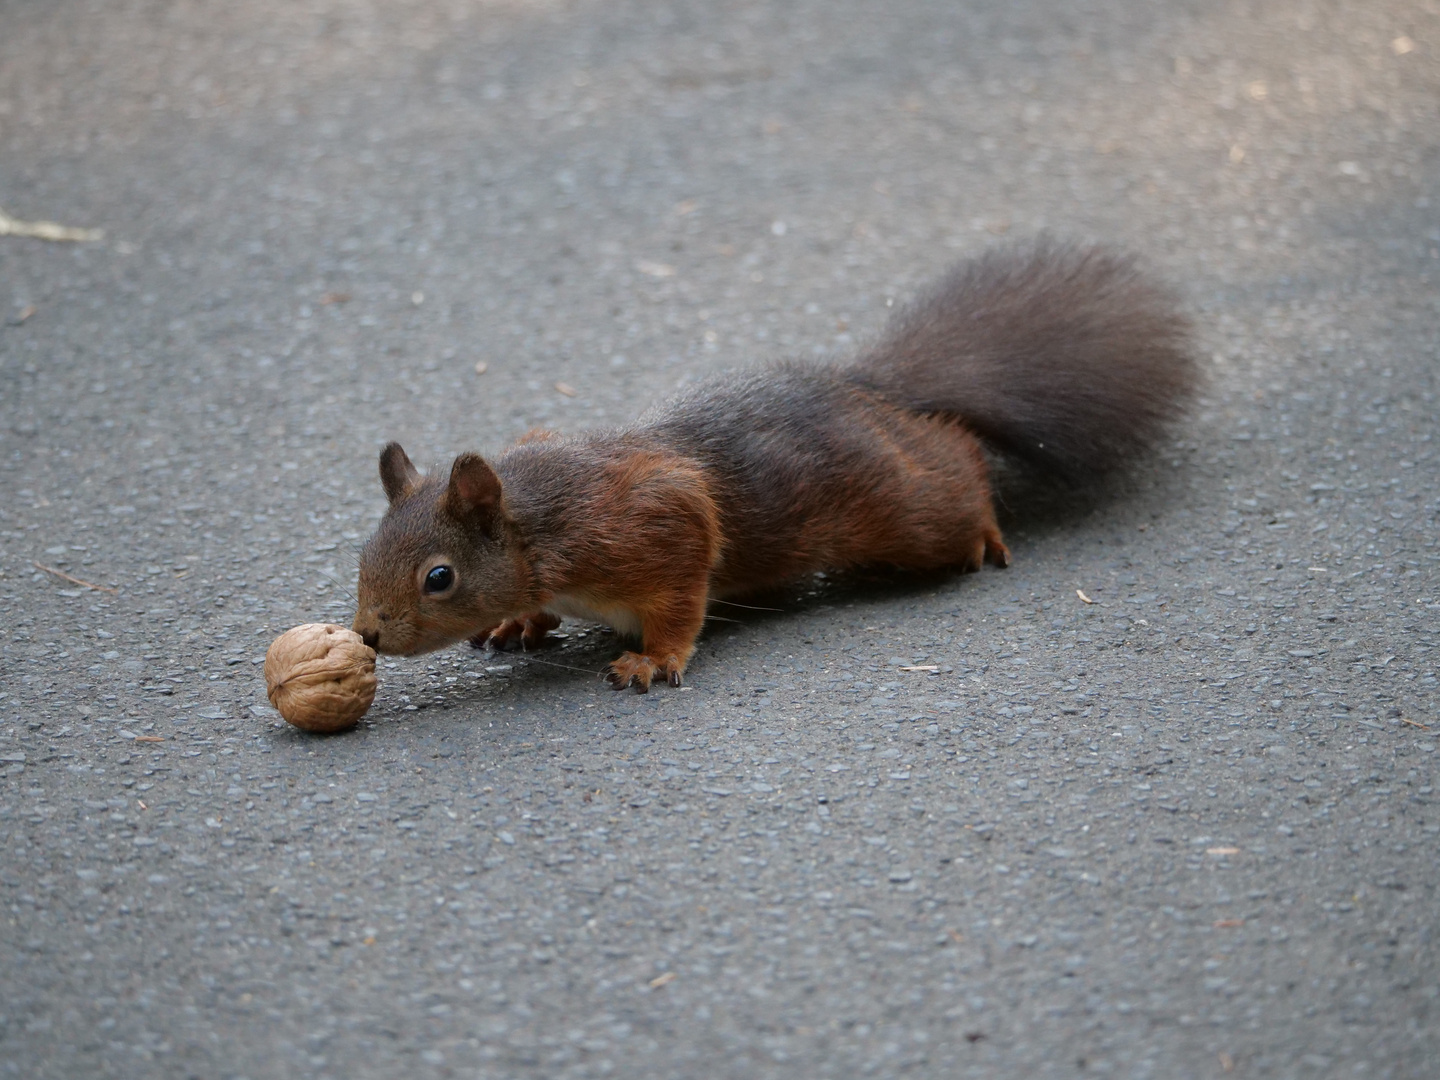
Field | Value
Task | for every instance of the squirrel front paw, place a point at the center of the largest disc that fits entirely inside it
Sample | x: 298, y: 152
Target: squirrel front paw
x: 528, y: 630
x: 637, y: 671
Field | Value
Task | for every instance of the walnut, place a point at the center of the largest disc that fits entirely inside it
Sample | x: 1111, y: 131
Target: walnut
x: 320, y: 676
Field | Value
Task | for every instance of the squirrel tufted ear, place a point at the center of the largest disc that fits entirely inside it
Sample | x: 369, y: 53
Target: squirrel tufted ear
x: 397, y: 475
x: 474, y: 491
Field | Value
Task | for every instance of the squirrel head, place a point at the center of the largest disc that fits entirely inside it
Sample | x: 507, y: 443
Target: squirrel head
x: 446, y: 562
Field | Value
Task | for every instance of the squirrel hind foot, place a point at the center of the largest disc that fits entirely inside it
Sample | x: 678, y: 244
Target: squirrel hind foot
x: 996, y: 553
x: 988, y: 548
x: 637, y: 671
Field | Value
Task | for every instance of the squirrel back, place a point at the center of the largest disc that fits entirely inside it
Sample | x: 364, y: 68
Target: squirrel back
x: 1067, y: 357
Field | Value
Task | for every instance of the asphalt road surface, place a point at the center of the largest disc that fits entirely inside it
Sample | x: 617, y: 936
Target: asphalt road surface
x: 957, y: 827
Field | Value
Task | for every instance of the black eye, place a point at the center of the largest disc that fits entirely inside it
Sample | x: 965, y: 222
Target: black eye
x: 439, y: 579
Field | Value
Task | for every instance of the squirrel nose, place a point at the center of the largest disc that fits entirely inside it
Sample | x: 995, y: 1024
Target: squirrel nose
x: 371, y: 638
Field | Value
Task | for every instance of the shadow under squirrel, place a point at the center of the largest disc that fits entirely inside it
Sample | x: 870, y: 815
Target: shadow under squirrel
x: 1065, y: 357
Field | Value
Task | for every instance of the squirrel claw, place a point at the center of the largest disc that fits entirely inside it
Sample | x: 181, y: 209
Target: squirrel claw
x: 636, y: 671
x: 528, y: 631
x: 632, y: 670
x: 622, y: 682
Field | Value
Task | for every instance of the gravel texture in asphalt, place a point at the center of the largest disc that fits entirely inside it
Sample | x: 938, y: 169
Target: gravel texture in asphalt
x: 1184, y: 826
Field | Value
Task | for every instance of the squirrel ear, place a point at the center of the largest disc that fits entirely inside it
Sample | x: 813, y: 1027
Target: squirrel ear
x: 474, y: 491
x: 397, y: 475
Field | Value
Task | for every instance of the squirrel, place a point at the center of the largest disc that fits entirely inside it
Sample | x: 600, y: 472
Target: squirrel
x: 1067, y: 358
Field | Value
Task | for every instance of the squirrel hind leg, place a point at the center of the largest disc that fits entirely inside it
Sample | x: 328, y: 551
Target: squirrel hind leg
x: 987, y: 547
x: 996, y: 553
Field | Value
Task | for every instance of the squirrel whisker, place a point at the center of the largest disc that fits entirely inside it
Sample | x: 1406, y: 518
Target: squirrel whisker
x: 341, y: 586
x: 567, y: 667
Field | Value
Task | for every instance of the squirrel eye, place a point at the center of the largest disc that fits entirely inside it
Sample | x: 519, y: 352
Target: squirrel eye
x: 439, y: 579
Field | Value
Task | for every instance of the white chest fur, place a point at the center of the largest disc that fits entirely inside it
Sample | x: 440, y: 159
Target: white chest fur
x: 593, y: 609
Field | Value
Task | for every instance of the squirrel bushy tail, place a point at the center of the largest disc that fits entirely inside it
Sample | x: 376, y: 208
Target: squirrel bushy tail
x: 1065, y: 356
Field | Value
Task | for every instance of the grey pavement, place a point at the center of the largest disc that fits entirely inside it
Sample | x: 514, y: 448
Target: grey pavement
x: 1186, y: 830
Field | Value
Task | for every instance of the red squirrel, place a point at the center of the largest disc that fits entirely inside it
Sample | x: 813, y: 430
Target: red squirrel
x: 1065, y: 357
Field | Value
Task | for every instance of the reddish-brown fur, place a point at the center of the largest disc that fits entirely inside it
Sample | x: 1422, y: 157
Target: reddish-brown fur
x: 923, y: 502
x: 756, y: 480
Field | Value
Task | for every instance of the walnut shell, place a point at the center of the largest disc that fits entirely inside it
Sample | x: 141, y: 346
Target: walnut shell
x: 320, y: 676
